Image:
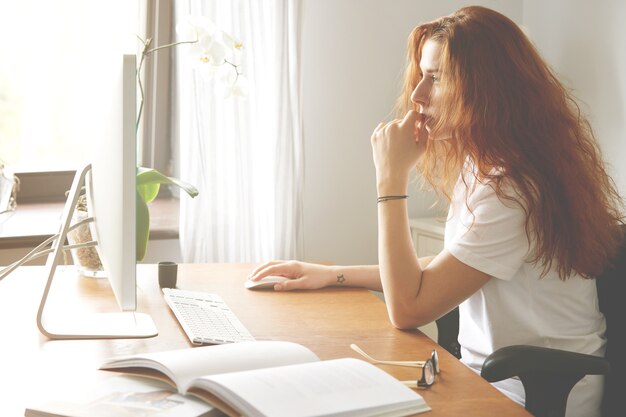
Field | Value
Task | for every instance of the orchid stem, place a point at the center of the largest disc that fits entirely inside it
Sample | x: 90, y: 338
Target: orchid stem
x: 144, y: 53
x: 147, y: 51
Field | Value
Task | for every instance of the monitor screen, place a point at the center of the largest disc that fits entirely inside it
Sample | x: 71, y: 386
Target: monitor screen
x: 111, y: 185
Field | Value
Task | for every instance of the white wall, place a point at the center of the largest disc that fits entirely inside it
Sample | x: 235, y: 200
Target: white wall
x: 585, y: 42
x: 353, y: 56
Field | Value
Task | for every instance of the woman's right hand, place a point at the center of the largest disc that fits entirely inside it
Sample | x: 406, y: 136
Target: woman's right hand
x: 302, y: 275
x: 397, y: 146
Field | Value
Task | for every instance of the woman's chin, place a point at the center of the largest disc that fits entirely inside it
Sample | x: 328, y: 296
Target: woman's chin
x: 438, y: 136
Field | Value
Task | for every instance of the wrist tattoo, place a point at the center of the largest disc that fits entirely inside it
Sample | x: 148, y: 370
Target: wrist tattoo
x: 340, y: 279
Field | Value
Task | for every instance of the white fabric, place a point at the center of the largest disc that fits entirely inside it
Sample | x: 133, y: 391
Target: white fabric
x: 516, y: 306
x: 244, y: 156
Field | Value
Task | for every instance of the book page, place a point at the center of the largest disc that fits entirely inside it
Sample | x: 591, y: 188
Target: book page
x: 183, y: 365
x: 342, y: 386
x: 119, y: 395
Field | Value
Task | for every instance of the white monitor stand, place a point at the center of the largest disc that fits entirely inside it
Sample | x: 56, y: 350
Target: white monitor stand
x: 113, y: 325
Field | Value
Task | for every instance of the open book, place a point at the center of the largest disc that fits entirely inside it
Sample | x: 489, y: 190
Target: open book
x: 118, y: 395
x: 267, y: 378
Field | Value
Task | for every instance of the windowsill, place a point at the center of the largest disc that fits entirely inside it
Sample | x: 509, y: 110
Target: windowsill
x: 32, y: 223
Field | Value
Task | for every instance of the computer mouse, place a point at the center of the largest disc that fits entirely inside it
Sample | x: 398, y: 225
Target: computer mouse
x: 264, y: 283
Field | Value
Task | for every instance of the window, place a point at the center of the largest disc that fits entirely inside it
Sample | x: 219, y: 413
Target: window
x: 49, y: 77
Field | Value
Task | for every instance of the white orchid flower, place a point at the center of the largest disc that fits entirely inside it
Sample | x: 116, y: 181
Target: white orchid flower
x: 195, y: 27
x: 208, y: 47
x: 239, y: 88
x: 234, y: 44
x: 211, y: 52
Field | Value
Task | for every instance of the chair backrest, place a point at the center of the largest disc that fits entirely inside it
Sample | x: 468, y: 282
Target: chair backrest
x: 448, y: 332
x: 611, y: 287
x: 611, y: 293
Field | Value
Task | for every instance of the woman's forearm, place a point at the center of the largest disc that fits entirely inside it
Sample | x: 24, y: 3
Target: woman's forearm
x: 366, y: 276
x: 400, y: 270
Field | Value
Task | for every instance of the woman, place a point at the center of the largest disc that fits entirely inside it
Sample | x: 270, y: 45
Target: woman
x: 533, y: 214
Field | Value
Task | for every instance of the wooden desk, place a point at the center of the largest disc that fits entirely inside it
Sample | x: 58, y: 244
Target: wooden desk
x: 326, y: 321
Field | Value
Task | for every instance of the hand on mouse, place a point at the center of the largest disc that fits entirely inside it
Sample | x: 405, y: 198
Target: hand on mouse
x: 302, y: 275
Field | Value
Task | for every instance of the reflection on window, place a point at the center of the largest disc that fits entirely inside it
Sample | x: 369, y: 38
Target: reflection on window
x: 49, y: 96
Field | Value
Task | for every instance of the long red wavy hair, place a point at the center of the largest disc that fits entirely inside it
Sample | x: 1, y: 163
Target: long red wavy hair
x: 509, y: 111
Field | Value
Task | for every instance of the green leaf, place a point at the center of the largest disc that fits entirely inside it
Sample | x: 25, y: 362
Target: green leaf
x: 142, y: 227
x: 149, y: 181
x: 148, y: 184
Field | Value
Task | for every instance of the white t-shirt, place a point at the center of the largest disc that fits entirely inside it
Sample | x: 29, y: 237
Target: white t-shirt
x: 516, y: 306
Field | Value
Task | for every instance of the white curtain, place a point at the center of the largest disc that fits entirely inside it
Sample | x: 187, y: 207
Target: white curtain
x: 244, y: 156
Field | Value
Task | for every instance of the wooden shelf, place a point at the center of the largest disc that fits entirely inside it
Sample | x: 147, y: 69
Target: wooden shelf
x: 32, y: 223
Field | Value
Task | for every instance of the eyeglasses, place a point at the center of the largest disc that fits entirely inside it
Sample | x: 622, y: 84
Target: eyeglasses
x: 430, y: 367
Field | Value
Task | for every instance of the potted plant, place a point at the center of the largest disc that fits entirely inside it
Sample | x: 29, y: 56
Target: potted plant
x: 209, y: 50
x: 148, y: 185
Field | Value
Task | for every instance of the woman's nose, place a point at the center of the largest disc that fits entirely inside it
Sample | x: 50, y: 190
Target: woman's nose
x: 419, y: 96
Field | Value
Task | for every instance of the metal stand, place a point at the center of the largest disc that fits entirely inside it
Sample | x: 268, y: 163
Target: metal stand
x: 118, y: 325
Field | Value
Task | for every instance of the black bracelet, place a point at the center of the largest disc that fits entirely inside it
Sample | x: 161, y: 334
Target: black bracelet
x: 391, y: 197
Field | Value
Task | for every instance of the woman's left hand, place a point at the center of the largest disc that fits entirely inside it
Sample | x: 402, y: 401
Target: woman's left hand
x: 397, y: 146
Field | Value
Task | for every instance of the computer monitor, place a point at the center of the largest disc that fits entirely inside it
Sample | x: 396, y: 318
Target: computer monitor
x: 110, y: 181
x: 111, y: 188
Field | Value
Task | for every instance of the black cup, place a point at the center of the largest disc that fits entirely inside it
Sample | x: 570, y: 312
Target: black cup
x: 167, y: 274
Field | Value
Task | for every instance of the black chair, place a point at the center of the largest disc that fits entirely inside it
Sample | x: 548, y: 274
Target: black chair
x: 548, y: 375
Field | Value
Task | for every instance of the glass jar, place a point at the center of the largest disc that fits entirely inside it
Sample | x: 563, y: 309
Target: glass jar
x: 86, y: 259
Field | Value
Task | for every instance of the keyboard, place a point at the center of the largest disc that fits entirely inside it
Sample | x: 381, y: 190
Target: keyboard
x: 205, y: 317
